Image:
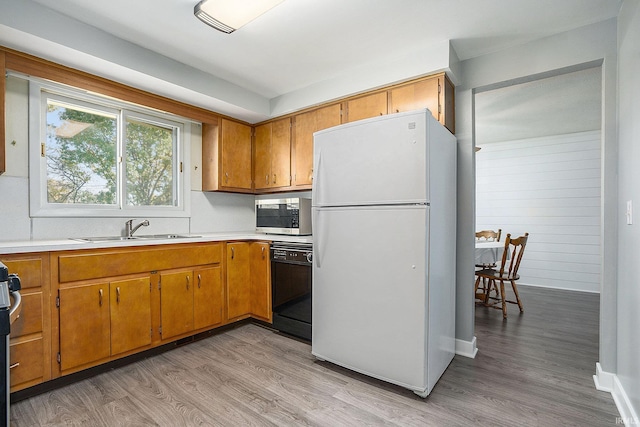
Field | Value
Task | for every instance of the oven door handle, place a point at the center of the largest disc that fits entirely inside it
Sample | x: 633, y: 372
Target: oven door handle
x: 16, y: 307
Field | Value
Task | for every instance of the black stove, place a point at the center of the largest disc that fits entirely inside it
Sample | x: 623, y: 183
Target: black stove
x: 9, y: 287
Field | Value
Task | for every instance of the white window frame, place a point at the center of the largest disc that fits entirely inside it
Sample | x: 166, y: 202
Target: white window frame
x: 40, y: 207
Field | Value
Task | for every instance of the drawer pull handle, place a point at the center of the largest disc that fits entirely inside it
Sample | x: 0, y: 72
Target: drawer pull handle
x: 263, y: 252
x: 118, y: 294
x: 199, y: 280
x: 187, y: 282
x: 100, y: 295
x: 15, y: 365
x: 233, y: 253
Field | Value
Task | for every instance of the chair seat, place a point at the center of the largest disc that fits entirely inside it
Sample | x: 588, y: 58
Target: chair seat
x: 491, y: 273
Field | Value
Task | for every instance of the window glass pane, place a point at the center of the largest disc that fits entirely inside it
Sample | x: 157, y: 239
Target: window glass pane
x: 80, y: 155
x: 149, y: 164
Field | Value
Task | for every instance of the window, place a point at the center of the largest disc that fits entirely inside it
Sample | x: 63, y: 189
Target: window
x: 99, y: 157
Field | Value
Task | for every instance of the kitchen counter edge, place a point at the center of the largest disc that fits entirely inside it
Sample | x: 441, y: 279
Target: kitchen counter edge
x: 26, y: 246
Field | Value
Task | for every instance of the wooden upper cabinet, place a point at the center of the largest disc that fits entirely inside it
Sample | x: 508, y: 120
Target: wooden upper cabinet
x: 305, y: 125
x: 366, y: 106
x: 434, y: 93
x: 226, y: 156
x: 272, y: 155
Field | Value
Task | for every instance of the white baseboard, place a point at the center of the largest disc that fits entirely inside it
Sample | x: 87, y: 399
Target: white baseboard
x: 606, y: 381
x: 603, y: 380
x: 466, y: 348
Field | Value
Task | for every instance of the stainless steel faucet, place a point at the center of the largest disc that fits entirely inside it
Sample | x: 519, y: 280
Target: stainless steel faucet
x: 129, y: 229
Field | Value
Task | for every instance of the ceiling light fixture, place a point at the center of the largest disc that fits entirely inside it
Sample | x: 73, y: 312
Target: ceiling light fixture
x: 229, y: 15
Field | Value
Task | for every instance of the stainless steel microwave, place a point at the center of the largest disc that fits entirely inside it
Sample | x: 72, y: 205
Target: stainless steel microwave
x: 290, y: 216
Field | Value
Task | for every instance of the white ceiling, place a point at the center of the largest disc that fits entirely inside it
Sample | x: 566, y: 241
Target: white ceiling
x: 299, y: 43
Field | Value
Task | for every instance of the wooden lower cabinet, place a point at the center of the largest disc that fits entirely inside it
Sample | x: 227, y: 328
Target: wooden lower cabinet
x: 85, y: 334
x: 99, y: 319
x: 30, y: 339
x: 248, y: 280
x: 208, y: 297
x: 238, y: 280
x: 260, y: 281
x: 103, y: 319
x: 176, y: 303
x: 130, y: 303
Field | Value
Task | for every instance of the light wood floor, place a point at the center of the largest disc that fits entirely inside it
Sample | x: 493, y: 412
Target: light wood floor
x: 534, y: 369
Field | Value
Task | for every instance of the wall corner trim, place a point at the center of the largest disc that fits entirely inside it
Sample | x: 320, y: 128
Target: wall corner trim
x: 466, y: 348
x: 609, y: 382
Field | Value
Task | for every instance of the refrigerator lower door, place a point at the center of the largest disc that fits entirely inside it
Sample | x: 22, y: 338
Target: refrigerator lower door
x: 370, y: 291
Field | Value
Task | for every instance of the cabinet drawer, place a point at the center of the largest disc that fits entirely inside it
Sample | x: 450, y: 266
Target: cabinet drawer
x: 27, y: 360
x: 119, y: 262
x: 30, y: 320
x: 29, y: 270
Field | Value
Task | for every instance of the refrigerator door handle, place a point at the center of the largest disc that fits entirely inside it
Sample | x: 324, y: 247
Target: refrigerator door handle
x: 317, y: 182
x: 317, y: 246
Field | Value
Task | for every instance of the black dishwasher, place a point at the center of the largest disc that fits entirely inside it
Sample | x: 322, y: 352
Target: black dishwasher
x: 291, y: 288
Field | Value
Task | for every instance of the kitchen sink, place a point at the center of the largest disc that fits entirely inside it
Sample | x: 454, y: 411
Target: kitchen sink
x: 140, y: 237
x: 164, y: 236
x: 104, y: 238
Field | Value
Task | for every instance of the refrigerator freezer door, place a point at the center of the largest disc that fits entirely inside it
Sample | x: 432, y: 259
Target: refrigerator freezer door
x: 374, y: 161
x: 370, y: 291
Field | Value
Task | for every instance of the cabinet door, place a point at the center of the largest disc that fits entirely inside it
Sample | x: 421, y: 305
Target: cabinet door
x: 176, y: 303
x: 281, y: 153
x: 238, y: 280
x: 261, y: 281
x: 235, y: 170
x: 208, y: 297
x: 273, y: 154
x: 84, y: 325
x: 130, y: 314
x: 262, y: 158
x: 421, y: 94
x: 367, y: 106
x: 306, y: 124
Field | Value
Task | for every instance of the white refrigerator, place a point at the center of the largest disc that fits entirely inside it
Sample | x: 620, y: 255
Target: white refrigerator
x: 384, y: 229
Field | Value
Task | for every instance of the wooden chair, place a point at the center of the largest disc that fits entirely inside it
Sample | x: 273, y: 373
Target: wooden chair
x: 489, y: 235
x: 511, y: 258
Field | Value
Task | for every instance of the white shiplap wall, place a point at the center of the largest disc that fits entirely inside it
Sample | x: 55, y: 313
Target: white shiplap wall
x: 550, y: 188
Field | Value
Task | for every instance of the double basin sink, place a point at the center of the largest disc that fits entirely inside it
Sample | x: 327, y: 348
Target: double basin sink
x: 141, y: 237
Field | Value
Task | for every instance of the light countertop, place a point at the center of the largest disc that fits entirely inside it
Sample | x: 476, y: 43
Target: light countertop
x: 24, y: 246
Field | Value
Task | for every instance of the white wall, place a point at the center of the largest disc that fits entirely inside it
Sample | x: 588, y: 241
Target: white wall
x: 550, y: 188
x: 628, y: 301
x: 592, y: 44
x: 210, y: 212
